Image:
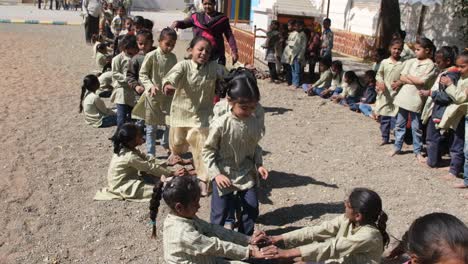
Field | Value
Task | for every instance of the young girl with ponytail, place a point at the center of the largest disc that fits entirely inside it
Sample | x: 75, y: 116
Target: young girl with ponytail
x: 357, y: 236
x: 189, y: 239
x: 132, y: 174
x: 95, y: 111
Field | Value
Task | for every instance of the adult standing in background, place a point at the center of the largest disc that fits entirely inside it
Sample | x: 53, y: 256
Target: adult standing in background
x: 212, y: 25
x: 92, y: 10
x: 327, y: 40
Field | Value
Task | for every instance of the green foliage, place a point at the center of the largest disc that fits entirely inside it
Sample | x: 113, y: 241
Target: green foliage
x: 461, y: 11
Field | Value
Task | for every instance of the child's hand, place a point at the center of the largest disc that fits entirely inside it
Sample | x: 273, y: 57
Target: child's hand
x: 169, y: 89
x: 380, y: 87
x: 139, y: 89
x: 153, y: 90
x: 222, y: 181
x: 259, y: 238
x: 263, y: 172
x: 180, y: 172
x: 325, y: 92
x: 444, y: 80
x: 425, y: 93
x: 254, y: 252
x: 273, y: 252
x: 396, y: 85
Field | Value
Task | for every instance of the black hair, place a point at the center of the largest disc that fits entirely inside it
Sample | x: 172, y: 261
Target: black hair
x: 148, y: 24
x: 212, y: 1
x: 124, y: 136
x: 300, y: 23
x: 139, y: 21
x: 128, y: 42
x: 351, y: 76
x: 128, y: 19
x: 402, y: 34
x: 369, y: 205
x: 426, y: 43
x: 396, y: 41
x: 327, y: 20
x: 240, y: 85
x: 381, y: 54
x: 197, y: 39
x: 371, y: 75
x: 146, y: 34
x: 101, y: 46
x: 275, y: 22
x: 448, y: 53
x: 337, y: 64
x: 292, y: 22
x: 464, y: 55
x: 90, y: 83
x: 167, y: 33
x: 438, y: 235
x: 181, y: 190
x: 326, y: 61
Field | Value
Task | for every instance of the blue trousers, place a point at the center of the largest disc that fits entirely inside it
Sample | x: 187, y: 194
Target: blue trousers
x: 365, y: 109
x: 221, y: 206
x: 109, y: 121
x: 152, y: 135
x: 124, y: 114
x: 416, y: 129
x: 296, y: 70
x: 385, y: 127
x: 287, y: 73
x: 465, y: 150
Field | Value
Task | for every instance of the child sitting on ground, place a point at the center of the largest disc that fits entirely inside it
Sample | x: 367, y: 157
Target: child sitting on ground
x: 103, y: 63
x: 357, y: 236
x: 350, y: 92
x: 128, y: 28
x: 323, y: 83
x: 336, y: 82
x: 132, y: 174
x: 370, y: 94
x: 95, y: 110
x: 189, y: 239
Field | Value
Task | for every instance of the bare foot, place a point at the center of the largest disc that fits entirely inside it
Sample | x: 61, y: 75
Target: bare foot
x: 384, y: 143
x: 203, y: 188
x: 421, y: 159
x: 394, y: 152
x: 448, y: 177
x: 444, y: 168
x: 176, y: 159
x: 460, y: 185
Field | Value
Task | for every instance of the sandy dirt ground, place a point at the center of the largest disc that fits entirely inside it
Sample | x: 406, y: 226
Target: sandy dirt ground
x: 53, y: 163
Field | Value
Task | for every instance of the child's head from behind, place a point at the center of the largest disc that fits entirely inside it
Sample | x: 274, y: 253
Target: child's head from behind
x: 139, y: 22
x: 274, y: 25
x: 438, y: 238
x: 350, y: 77
x: 200, y: 50
x: 379, y: 55
x: 129, y: 45
x: 445, y: 57
x: 462, y: 63
x: 148, y: 24
x: 242, y: 92
x: 128, y: 136
x: 90, y: 84
x: 101, y: 48
x: 337, y: 66
x: 181, y: 194
x: 167, y: 40
x: 364, y: 207
x: 424, y: 48
x: 145, y: 41
x: 369, y: 77
x: 395, y: 48
x: 299, y: 25
x: 324, y: 64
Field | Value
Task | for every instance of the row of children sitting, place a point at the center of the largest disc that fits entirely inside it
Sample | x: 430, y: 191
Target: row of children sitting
x: 419, y: 89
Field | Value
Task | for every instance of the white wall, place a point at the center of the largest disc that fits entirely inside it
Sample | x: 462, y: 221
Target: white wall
x: 360, y: 19
x: 159, y: 4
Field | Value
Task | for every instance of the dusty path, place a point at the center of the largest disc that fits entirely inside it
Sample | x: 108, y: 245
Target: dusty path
x: 52, y: 163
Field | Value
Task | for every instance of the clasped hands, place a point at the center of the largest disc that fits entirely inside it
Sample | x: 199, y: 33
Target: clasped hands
x: 264, y: 247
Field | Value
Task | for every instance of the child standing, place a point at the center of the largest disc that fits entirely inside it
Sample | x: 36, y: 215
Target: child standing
x: 157, y: 105
x: 323, y: 83
x: 327, y: 40
x: 96, y: 112
x: 272, y: 35
x: 123, y: 96
x: 189, y: 239
x: 370, y: 94
x: 126, y: 166
x: 288, y: 52
x: 418, y: 74
x: 193, y: 83
x: 117, y: 24
x: 357, y: 236
x: 387, y: 77
x: 233, y: 157
x: 350, y: 86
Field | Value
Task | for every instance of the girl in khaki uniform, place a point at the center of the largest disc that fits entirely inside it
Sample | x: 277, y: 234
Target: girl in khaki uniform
x: 192, y: 82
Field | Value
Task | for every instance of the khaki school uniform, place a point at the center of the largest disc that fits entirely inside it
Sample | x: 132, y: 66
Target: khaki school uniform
x: 122, y: 93
x: 337, y: 240
x: 222, y: 107
x: 232, y: 149
x: 123, y: 180
x: 407, y: 53
x: 195, y: 241
x: 349, y: 89
x: 105, y: 79
x: 95, y: 110
x: 288, y: 52
x: 408, y: 96
x: 101, y: 61
x: 389, y: 71
x: 192, y: 107
x: 459, y: 109
x: 337, y: 81
x: 155, y: 66
x: 325, y: 80
x: 429, y: 105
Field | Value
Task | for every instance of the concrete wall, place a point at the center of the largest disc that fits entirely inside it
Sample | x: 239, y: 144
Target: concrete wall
x: 440, y: 25
x: 354, y: 16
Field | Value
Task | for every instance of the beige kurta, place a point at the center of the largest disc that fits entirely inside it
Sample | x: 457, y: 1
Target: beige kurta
x: 337, y: 240
x: 232, y: 149
x: 408, y: 96
x: 194, y: 241
x: 349, y: 89
x: 389, y: 71
x: 459, y: 109
x: 407, y: 53
x: 192, y: 105
x: 122, y: 93
x: 288, y: 52
x: 95, y: 110
x: 155, y: 66
x: 123, y: 180
x: 337, y: 80
x: 101, y: 61
x: 325, y: 80
x: 222, y: 107
x: 429, y: 105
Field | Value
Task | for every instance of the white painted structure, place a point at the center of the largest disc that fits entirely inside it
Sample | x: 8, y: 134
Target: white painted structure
x: 159, y: 4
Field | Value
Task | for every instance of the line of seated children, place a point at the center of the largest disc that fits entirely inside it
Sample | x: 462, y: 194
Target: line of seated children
x: 323, y: 83
x: 351, y: 90
x: 368, y: 98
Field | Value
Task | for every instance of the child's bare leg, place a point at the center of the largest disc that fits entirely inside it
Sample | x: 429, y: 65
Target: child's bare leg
x: 421, y: 159
x: 448, y: 177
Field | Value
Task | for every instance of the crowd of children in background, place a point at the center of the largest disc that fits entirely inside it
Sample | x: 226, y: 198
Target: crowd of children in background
x: 152, y: 93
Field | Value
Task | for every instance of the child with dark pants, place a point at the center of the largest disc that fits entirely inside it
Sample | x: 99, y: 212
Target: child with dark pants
x: 273, y: 36
x: 233, y: 156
